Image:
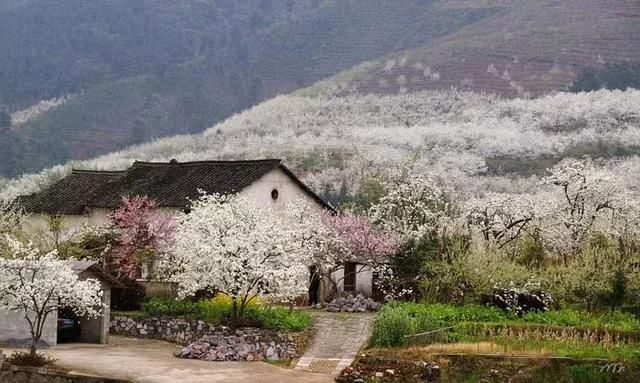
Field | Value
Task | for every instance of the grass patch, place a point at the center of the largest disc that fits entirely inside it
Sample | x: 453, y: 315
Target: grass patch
x: 448, y: 323
x: 134, y: 313
x: 560, y: 348
x: 218, y: 311
x: 412, y: 365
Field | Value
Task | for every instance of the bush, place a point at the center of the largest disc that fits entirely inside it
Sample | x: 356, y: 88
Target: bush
x: 520, y: 302
x: 169, y: 307
x: 390, y: 326
x: 218, y: 311
x: 128, y: 298
x: 26, y: 359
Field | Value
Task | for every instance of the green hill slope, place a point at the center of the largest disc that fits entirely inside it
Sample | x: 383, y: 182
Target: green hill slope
x: 144, y: 69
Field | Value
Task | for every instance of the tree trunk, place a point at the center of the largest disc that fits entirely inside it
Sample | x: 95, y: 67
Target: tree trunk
x: 33, y: 351
x: 234, y: 312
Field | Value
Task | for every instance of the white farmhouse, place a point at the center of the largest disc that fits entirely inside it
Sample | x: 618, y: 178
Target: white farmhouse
x: 87, y: 197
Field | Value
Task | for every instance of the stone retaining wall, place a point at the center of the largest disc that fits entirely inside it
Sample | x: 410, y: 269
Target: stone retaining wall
x: 19, y: 374
x: 207, y: 342
x: 175, y: 330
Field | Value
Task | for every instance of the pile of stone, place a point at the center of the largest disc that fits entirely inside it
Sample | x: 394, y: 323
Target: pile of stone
x: 247, y: 344
x: 353, y: 304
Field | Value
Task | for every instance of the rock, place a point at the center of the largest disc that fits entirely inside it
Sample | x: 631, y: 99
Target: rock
x: 270, y: 353
x: 358, y: 303
x: 379, y: 374
x: 238, y: 347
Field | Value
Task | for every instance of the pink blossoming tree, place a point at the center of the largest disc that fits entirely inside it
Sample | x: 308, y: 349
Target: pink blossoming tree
x: 143, y: 233
x: 355, y: 239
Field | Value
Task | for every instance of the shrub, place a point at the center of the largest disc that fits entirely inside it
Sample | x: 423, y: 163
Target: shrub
x: 128, y: 298
x: 29, y: 360
x: 169, y: 307
x: 520, y: 302
x: 390, y: 326
x: 218, y: 311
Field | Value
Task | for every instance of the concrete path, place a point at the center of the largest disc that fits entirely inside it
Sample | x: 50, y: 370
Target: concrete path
x: 338, y: 338
x: 151, y: 361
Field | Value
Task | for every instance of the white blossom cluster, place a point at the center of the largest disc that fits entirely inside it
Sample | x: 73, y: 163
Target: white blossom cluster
x: 413, y: 206
x: 452, y: 134
x: 577, y: 199
x: 38, y: 284
x: 37, y: 110
x: 233, y: 245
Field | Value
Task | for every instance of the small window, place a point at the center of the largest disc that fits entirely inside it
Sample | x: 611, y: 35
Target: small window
x: 275, y: 194
x: 349, y: 276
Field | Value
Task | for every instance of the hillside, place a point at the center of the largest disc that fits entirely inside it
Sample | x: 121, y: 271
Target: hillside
x: 132, y: 71
x: 142, y: 69
x: 527, y: 48
x: 475, y: 142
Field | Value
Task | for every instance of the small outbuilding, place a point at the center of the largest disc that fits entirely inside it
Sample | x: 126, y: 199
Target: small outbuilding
x: 64, y: 326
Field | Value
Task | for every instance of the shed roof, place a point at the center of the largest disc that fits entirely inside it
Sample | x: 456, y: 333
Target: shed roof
x: 80, y: 267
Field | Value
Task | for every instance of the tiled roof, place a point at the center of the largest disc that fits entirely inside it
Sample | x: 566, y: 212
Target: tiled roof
x: 69, y: 195
x: 171, y: 184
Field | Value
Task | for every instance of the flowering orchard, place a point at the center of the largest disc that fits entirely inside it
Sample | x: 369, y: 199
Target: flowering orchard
x: 474, y: 141
x: 37, y: 285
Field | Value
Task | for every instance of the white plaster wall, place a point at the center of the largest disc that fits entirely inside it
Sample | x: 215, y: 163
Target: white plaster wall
x: 98, y: 216
x: 37, y: 225
x: 364, y: 279
x: 96, y: 330
x: 288, y: 191
x: 13, y: 326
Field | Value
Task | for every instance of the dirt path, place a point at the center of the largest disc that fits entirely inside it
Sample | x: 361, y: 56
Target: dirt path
x: 339, y: 336
x: 151, y: 361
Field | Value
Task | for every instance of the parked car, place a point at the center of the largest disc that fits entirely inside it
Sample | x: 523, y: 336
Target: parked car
x: 68, y: 327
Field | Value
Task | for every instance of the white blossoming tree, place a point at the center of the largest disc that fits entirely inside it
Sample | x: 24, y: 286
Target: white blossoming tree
x: 413, y: 206
x: 232, y: 245
x: 586, y: 196
x: 501, y: 218
x: 38, y: 285
x: 11, y: 216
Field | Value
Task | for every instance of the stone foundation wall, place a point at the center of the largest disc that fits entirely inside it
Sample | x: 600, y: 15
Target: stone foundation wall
x: 206, y: 342
x: 175, y: 330
x: 19, y: 374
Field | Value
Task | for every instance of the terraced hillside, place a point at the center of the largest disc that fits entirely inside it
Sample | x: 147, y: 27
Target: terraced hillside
x: 528, y: 48
x: 139, y: 70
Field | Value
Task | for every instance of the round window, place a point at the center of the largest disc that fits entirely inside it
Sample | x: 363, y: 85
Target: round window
x: 274, y: 194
